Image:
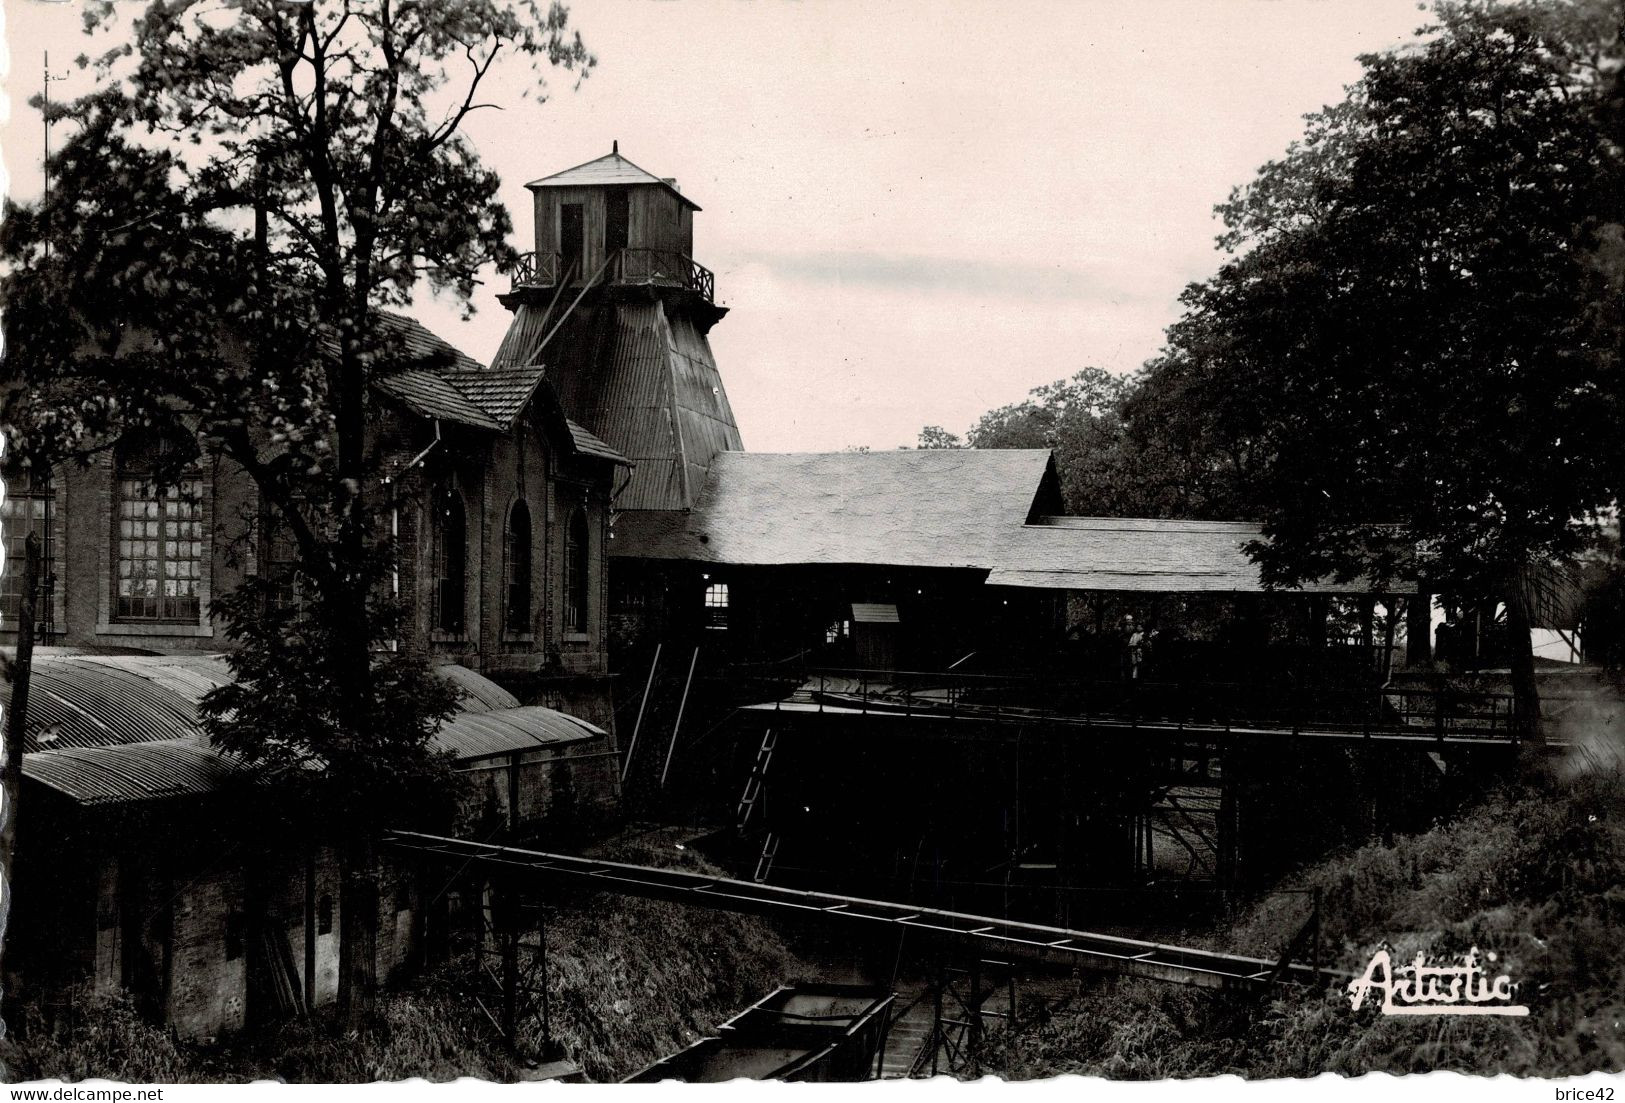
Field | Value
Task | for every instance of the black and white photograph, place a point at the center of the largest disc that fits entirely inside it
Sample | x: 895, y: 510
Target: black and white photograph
x: 629, y: 541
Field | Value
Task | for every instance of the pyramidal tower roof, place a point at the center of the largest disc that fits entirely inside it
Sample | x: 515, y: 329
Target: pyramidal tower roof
x: 610, y: 169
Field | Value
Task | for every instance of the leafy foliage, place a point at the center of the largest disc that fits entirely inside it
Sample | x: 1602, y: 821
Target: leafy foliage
x: 1533, y: 872
x: 1403, y: 361
x: 282, y: 713
x: 1081, y: 419
x: 247, y: 190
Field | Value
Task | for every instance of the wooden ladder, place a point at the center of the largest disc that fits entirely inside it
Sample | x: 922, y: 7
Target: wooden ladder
x: 770, y: 851
x: 756, y: 783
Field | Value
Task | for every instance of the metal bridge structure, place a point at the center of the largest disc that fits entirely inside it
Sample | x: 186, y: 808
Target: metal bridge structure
x: 1190, y: 765
x: 1392, y: 714
x: 514, y: 874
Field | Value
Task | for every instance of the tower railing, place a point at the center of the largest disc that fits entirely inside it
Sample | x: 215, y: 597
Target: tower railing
x: 631, y: 267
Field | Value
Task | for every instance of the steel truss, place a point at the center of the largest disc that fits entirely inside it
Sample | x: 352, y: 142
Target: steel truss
x: 530, y: 870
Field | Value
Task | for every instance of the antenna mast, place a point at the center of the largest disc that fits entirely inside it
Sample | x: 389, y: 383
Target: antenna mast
x: 45, y: 111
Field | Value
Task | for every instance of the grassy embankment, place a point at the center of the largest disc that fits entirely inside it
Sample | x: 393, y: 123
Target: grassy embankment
x: 630, y: 980
x: 1534, y: 872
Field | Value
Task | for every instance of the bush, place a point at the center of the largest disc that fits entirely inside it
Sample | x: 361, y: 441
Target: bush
x: 102, y: 1037
x: 1532, y: 872
x: 634, y: 980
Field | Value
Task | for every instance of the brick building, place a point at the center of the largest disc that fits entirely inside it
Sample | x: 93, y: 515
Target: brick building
x: 138, y: 860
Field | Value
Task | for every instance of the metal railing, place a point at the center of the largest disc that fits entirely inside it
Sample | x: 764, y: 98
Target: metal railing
x: 630, y: 267
x: 1441, y: 713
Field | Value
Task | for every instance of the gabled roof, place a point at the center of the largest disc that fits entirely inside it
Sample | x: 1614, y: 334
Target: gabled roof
x: 927, y: 508
x: 502, y: 392
x: 433, y: 395
x: 466, y: 393
x: 610, y: 169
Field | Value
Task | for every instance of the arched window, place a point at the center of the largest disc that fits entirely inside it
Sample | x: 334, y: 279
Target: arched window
x: 716, y: 605
x: 517, y: 569
x: 576, y: 573
x: 159, y: 546
x: 281, y: 563
x: 450, y: 560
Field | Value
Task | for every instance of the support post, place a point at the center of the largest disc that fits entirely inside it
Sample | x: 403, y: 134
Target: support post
x: 975, y: 1039
x: 1419, y: 629
x: 16, y: 720
x: 310, y: 928
x: 541, y: 948
x: 654, y: 664
x: 1314, y: 953
x: 681, y: 707
x: 1227, y: 822
x: 937, y: 1037
x: 506, y: 920
x: 513, y: 795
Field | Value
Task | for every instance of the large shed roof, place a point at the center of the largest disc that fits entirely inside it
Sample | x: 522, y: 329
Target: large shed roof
x: 925, y: 508
x: 960, y: 508
x: 1131, y: 554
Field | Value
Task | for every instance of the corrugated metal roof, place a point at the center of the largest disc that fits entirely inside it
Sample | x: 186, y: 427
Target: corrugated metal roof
x: 79, y: 704
x: 653, y: 394
x: 874, y: 613
x: 480, y: 694
x: 526, y: 331
x: 609, y: 169
x: 96, y: 700
x: 471, y: 735
x: 135, y: 772
x: 926, y: 508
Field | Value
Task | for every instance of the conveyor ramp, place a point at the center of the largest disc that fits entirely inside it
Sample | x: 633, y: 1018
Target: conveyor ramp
x: 1008, y: 938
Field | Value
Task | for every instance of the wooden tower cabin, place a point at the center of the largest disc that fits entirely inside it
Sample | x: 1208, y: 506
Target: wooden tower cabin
x: 613, y: 303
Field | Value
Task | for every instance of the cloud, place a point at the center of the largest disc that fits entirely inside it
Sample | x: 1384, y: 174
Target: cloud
x: 1009, y: 279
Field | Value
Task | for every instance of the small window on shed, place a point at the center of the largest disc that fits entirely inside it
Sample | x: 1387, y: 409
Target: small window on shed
x: 324, y: 915
x: 716, y: 605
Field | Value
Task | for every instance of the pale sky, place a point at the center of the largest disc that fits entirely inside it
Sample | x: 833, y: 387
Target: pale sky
x: 916, y: 211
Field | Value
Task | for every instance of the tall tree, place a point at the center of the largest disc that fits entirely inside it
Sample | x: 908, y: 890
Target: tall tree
x: 1407, y: 361
x: 246, y: 191
x: 1087, y: 421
